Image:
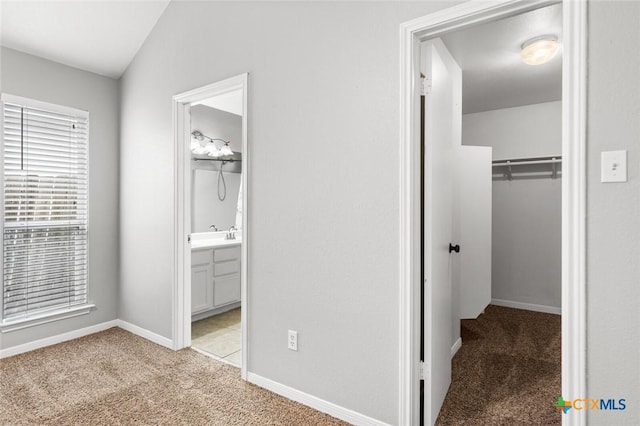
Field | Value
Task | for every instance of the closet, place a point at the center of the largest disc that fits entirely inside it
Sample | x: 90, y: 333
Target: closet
x: 525, y: 202
x: 501, y: 145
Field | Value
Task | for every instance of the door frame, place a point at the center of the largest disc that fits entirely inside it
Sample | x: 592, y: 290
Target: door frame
x: 573, y: 189
x: 181, y: 309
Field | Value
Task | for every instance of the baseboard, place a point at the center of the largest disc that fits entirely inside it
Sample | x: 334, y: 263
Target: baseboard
x: 213, y: 312
x: 330, y: 408
x: 53, y: 340
x: 456, y: 346
x: 527, y: 306
x: 144, y: 333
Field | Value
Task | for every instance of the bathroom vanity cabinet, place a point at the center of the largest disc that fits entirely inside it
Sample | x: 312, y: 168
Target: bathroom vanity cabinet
x: 215, y: 277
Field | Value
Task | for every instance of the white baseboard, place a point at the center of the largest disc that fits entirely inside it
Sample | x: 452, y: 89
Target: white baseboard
x: 217, y: 311
x: 456, y: 346
x: 143, y: 332
x: 527, y: 306
x: 53, y: 340
x: 330, y: 408
x: 48, y: 341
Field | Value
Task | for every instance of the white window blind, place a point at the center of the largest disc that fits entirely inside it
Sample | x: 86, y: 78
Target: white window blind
x: 45, y: 196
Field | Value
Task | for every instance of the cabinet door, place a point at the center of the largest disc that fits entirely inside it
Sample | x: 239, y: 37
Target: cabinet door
x: 227, y: 289
x: 201, y: 287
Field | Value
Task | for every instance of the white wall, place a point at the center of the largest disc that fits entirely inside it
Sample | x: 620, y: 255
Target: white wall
x: 526, y: 213
x: 323, y: 131
x: 526, y: 131
x: 207, y: 208
x: 527, y: 241
x: 37, y: 78
x: 613, y: 211
x: 325, y: 75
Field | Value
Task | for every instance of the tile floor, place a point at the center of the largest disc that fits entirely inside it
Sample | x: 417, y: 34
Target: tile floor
x: 220, y: 336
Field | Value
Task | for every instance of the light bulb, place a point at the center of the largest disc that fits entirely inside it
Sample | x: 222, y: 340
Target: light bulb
x: 539, y: 50
x: 226, y: 151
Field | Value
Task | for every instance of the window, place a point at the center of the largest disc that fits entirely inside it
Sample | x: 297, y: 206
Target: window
x: 45, y: 205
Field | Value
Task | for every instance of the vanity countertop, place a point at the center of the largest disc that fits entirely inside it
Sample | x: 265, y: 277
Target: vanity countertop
x: 213, y: 239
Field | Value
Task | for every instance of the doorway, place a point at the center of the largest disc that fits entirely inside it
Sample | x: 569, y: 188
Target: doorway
x: 216, y: 226
x: 210, y: 298
x: 435, y: 370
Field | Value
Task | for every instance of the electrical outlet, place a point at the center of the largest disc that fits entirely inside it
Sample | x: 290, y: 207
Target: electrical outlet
x: 292, y: 341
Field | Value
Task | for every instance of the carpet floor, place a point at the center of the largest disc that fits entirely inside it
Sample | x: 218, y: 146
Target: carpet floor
x: 507, y: 371
x: 117, y: 378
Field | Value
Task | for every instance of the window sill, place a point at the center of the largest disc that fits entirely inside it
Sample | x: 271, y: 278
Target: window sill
x: 44, y: 318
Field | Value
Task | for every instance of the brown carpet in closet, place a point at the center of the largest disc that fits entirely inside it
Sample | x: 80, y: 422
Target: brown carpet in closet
x: 507, y: 371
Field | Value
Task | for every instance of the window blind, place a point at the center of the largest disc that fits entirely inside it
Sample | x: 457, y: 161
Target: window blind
x: 45, y: 196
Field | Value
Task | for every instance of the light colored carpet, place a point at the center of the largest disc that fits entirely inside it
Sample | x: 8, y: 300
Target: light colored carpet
x: 117, y: 378
x: 507, y: 371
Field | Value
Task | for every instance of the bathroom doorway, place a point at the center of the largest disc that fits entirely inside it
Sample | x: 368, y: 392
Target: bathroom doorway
x: 216, y: 225
x: 211, y: 228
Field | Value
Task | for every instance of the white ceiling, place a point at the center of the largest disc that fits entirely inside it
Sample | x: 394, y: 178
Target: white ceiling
x: 104, y: 36
x: 493, y: 76
x: 98, y: 36
x: 229, y: 102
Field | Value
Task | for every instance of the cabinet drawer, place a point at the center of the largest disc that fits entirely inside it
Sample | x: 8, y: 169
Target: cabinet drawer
x: 198, y: 257
x: 226, y: 290
x: 226, y: 268
x: 230, y: 253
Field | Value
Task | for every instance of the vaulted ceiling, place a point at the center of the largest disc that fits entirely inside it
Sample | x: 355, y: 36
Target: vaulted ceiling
x: 104, y: 36
x: 98, y: 36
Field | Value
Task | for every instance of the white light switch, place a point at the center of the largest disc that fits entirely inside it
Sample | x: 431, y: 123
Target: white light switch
x: 614, y: 166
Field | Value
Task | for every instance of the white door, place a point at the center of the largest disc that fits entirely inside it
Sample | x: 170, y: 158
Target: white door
x: 443, y: 120
x: 473, y: 230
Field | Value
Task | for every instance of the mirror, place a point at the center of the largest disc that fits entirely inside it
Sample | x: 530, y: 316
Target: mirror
x: 216, y: 163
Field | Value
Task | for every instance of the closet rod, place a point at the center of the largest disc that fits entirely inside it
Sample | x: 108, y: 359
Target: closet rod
x: 518, y: 163
x: 495, y: 174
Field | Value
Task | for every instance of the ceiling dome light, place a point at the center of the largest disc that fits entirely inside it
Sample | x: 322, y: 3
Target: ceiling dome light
x: 539, y: 50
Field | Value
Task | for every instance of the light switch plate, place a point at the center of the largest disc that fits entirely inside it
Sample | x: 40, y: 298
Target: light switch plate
x: 613, y: 166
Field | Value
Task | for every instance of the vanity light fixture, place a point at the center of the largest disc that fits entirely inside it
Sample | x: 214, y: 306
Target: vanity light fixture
x: 204, y: 145
x: 539, y: 50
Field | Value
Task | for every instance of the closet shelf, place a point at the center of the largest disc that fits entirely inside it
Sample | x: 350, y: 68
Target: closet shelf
x: 506, y: 166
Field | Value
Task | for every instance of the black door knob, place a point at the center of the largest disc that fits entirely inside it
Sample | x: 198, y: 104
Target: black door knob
x: 455, y: 248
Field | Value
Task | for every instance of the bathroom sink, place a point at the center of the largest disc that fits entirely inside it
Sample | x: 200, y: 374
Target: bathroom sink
x: 213, y: 239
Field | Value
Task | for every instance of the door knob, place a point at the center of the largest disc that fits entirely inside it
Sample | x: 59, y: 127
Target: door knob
x: 455, y: 248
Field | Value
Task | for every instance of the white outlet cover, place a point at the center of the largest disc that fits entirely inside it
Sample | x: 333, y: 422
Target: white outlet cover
x: 292, y: 340
x: 613, y: 166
